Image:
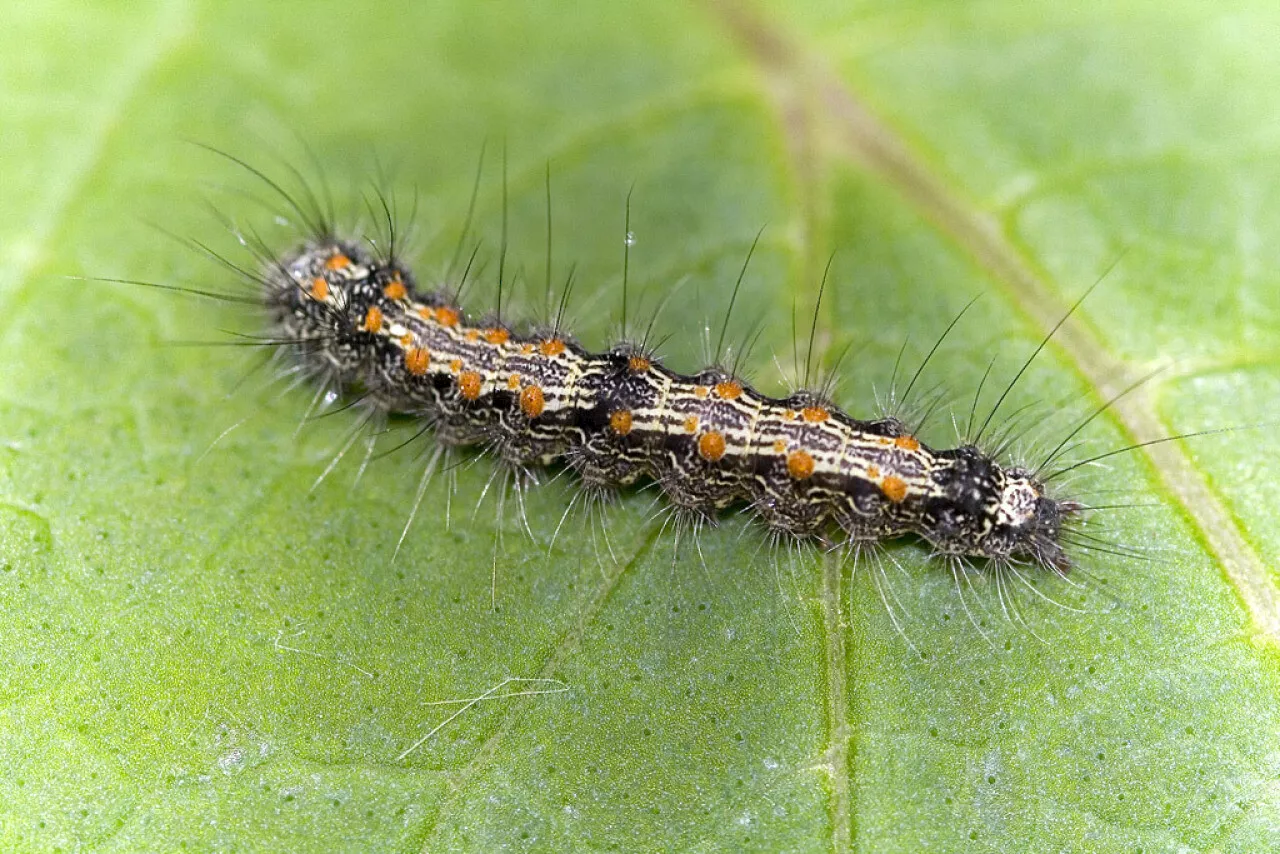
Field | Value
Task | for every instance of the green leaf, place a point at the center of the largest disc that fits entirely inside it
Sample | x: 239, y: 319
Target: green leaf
x: 200, y: 650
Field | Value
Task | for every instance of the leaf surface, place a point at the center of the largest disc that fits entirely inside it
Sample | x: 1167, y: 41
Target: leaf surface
x: 202, y: 650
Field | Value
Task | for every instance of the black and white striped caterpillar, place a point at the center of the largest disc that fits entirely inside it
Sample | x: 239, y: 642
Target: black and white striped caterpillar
x: 360, y: 325
x: 348, y: 316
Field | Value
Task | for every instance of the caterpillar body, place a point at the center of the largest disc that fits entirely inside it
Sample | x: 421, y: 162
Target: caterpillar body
x: 356, y: 321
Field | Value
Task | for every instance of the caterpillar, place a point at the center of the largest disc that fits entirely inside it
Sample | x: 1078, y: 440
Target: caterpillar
x: 346, y: 315
x: 357, y: 323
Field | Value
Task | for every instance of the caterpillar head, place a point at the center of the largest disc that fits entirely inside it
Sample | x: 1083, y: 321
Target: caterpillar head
x: 1029, y: 523
x: 982, y: 509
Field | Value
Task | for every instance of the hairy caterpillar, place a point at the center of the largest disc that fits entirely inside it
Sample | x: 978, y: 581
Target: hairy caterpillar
x: 347, y: 316
x: 356, y: 322
x: 361, y: 326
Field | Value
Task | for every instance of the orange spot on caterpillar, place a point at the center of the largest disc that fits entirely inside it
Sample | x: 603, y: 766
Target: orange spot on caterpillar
x: 455, y: 365
x: 513, y: 382
x: 319, y: 289
x: 894, y: 489
x: 711, y: 446
x: 884, y: 440
x: 789, y: 414
x: 406, y: 340
x: 417, y: 360
x: 551, y: 347
x: 395, y: 290
x: 815, y: 414
x: 496, y: 335
x: 639, y: 364
x: 620, y: 422
x: 526, y: 349
x: 372, y: 319
x: 779, y: 446
x: 469, y: 385
x: 473, y: 335
x: 446, y: 316
x: 691, y: 424
x: 730, y: 390
x: 907, y: 443
x: 531, y: 401
x: 873, y: 472
x: 700, y: 391
x: 337, y: 261
x: 800, y: 464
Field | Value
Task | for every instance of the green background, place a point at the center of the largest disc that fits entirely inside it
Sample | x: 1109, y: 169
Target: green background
x: 197, y: 651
